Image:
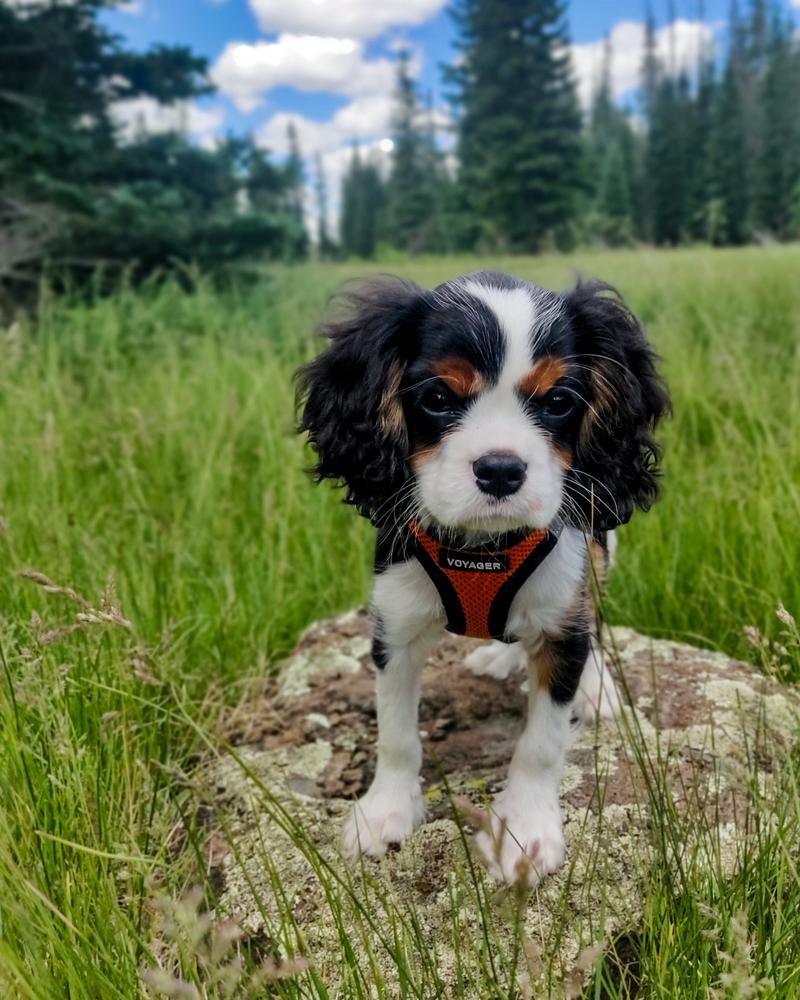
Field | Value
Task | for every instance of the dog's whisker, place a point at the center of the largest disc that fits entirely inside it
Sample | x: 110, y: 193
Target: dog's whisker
x: 600, y: 484
x: 593, y: 498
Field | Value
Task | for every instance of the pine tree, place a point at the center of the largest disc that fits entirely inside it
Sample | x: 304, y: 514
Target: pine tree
x: 678, y: 112
x: 614, y: 200
x: 794, y: 212
x: 326, y: 248
x: 759, y: 36
x: 700, y: 127
x: 264, y: 182
x: 439, y: 183
x: 613, y: 162
x: 294, y: 175
x: 77, y: 191
x: 752, y: 66
x: 519, y: 125
x: 350, y: 203
x: 362, y: 206
x: 729, y: 213
x: 777, y: 170
x: 669, y: 161
x: 410, y: 191
x: 601, y: 119
x: 651, y: 73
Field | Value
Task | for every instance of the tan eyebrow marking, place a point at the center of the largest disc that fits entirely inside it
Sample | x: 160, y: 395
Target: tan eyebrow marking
x: 543, y: 376
x: 460, y: 376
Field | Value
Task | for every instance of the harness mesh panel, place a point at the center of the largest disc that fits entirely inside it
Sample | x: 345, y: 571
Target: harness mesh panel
x: 477, y: 602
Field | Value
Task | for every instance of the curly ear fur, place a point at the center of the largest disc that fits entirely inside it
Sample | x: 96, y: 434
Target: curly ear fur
x: 616, y: 448
x: 350, y: 393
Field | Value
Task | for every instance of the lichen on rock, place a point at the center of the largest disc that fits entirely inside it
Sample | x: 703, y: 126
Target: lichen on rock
x: 700, y: 735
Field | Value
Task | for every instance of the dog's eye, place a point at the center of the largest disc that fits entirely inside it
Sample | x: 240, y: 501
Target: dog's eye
x: 558, y: 404
x: 439, y: 402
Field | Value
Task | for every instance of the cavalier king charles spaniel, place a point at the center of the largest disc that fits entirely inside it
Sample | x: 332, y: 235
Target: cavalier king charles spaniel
x: 495, y: 433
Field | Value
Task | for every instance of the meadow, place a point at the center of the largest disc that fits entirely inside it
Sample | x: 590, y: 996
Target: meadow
x: 161, y: 548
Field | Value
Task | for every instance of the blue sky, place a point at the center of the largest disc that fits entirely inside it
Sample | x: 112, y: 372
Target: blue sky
x: 207, y: 26
x: 327, y: 65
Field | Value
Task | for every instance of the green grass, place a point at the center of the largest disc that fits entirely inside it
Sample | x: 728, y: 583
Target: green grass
x: 148, y: 439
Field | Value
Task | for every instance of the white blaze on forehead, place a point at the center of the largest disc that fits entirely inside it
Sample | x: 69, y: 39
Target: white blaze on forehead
x: 496, y: 420
x: 514, y: 309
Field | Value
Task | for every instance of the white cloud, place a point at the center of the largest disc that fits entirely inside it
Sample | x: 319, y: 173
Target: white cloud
x: 22, y: 5
x: 125, y: 6
x: 342, y: 18
x: 244, y: 72
x: 365, y: 119
x: 145, y: 115
x: 685, y: 39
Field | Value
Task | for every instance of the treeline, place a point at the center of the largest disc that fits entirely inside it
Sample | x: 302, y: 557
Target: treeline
x: 79, y: 202
x: 709, y: 152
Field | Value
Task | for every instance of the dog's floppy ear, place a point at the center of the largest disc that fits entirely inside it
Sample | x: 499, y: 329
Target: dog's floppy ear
x: 616, y: 458
x: 350, y: 399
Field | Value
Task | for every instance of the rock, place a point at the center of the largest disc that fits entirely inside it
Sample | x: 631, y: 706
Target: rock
x: 700, y: 738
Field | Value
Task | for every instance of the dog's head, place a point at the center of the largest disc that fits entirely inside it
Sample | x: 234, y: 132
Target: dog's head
x: 487, y: 404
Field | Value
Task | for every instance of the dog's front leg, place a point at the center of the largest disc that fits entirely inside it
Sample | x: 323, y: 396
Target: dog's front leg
x: 392, y: 807
x: 524, y: 840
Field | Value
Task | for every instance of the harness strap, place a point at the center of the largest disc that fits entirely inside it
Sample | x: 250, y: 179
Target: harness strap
x: 478, y: 585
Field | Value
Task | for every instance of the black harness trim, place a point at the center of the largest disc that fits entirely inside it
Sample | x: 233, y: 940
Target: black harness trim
x: 487, y: 607
x: 501, y: 605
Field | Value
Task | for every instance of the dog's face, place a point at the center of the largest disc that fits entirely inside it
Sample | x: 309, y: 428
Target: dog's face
x: 487, y: 404
x: 491, y: 407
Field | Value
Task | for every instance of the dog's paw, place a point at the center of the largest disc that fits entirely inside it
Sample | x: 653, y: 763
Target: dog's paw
x: 597, y: 697
x: 523, y: 839
x: 382, y: 817
x: 496, y: 659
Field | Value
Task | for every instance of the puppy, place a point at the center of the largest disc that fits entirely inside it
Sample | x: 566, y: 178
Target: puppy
x: 494, y: 432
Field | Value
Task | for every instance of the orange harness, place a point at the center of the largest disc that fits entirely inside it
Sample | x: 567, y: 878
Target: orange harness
x: 478, y: 585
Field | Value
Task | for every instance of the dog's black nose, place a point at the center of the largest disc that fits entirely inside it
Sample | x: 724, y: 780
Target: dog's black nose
x: 499, y: 474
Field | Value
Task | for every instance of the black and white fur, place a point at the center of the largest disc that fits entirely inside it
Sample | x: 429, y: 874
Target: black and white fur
x: 414, y: 388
